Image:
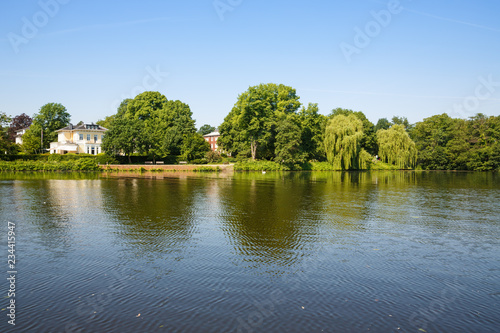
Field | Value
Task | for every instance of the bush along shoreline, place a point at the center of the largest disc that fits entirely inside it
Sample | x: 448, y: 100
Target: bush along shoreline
x: 70, y: 165
x: 250, y: 165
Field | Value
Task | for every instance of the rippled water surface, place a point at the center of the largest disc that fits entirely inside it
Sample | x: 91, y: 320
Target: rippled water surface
x: 294, y: 252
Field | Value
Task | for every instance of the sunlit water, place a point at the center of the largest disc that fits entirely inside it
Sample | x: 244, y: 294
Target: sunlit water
x: 293, y: 252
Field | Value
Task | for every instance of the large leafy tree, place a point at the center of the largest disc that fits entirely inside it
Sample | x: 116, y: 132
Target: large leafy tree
x: 369, y: 140
x: 125, y: 136
x: 396, y: 147
x: 19, y: 122
x: 343, y: 138
x: 431, y: 137
x: 50, y: 118
x: 313, y: 126
x: 251, y: 125
x: 164, y: 124
x: 194, y: 146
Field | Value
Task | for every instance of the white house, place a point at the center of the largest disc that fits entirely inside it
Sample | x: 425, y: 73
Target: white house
x: 19, y: 135
x: 85, y: 138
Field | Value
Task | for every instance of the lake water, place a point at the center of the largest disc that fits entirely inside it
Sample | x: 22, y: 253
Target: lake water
x: 252, y: 252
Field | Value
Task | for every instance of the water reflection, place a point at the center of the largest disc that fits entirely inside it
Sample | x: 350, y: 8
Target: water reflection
x: 151, y: 217
x: 195, y: 252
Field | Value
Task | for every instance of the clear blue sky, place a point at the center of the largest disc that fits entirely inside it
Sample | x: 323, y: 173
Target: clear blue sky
x: 425, y: 59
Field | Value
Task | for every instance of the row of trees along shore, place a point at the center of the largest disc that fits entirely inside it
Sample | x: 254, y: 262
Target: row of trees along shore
x: 269, y: 124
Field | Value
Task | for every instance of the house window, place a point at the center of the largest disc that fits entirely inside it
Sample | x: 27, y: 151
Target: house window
x: 95, y: 138
x: 81, y: 137
x: 102, y: 137
x: 88, y: 137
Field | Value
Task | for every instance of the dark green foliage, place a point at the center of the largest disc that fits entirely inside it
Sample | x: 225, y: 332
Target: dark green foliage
x: 6, y: 145
x: 194, y: 146
x: 71, y: 165
x: 288, y: 149
x: 382, y: 123
x: 51, y: 117
x: 250, y: 127
x: 125, y: 136
x: 445, y: 143
x: 313, y: 131
x: 205, y: 129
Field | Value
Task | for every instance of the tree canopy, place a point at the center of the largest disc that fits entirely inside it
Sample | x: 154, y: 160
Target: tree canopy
x: 251, y: 125
x: 163, y: 124
x: 50, y: 118
x: 6, y: 145
x: 19, y: 122
x: 124, y: 136
x: 368, y: 141
x: 343, y: 137
x: 205, y: 129
x: 396, y: 147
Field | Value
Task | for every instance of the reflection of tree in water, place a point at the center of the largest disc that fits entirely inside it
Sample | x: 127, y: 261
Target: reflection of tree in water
x: 153, y: 217
x: 272, y: 221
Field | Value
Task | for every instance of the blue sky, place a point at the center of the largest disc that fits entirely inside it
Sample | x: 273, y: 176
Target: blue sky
x: 418, y: 59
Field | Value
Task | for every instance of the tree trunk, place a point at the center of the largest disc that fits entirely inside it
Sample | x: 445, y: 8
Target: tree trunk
x: 253, y: 148
x: 129, y: 160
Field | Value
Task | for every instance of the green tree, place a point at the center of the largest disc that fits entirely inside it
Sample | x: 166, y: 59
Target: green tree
x: 288, y: 142
x: 369, y: 139
x: 106, y: 122
x: 382, y: 123
x: 165, y: 123
x: 51, y: 117
x: 343, y: 137
x: 251, y: 124
x: 194, y: 146
x: 396, y: 147
x: 313, y: 127
x: 205, y: 129
x: 396, y: 120
x: 431, y: 137
x: 6, y: 145
x: 125, y: 136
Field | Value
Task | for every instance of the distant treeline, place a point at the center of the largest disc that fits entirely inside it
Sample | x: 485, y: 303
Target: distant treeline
x: 268, y: 123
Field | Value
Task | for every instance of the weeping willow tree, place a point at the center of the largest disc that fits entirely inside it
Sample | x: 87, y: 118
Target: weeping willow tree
x: 396, y: 147
x: 343, y: 137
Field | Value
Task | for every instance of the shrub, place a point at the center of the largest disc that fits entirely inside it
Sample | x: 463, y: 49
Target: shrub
x: 213, y: 157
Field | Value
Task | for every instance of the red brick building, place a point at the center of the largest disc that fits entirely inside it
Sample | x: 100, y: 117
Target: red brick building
x: 211, y: 138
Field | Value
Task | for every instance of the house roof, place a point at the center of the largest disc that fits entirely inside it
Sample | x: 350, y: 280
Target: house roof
x: 22, y: 129
x: 212, y: 134
x: 87, y: 127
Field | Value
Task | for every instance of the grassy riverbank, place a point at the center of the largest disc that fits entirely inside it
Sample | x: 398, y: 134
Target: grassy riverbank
x: 250, y: 165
